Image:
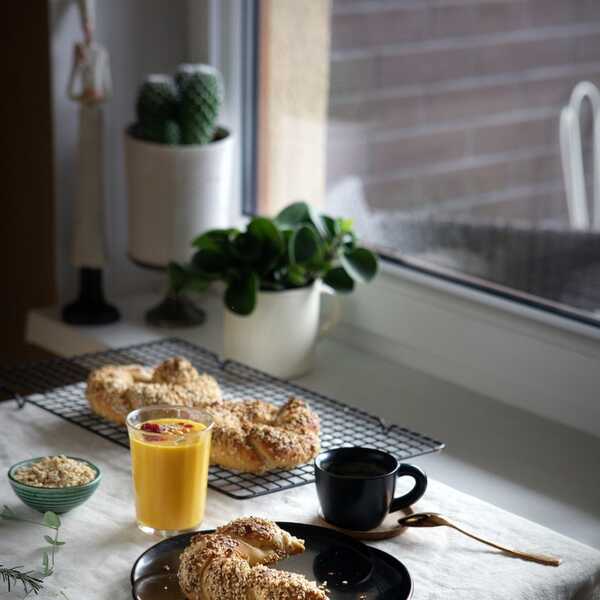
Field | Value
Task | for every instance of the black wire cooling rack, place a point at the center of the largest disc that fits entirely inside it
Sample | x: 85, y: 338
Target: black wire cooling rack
x: 58, y: 386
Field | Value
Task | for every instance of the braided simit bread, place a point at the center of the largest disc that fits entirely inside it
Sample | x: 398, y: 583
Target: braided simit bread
x: 115, y: 390
x: 254, y: 436
x: 251, y: 436
x: 230, y: 564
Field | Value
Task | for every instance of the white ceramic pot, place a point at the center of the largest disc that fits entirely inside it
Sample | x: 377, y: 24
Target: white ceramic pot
x: 174, y: 194
x: 279, y: 337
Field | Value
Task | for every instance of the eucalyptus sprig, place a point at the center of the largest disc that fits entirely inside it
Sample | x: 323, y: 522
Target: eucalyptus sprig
x: 292, y: 250
x: 51, y: 521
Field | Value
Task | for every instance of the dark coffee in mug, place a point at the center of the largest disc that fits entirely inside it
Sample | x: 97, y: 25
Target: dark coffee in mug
x: 356, y: 486
x: 357, y: 469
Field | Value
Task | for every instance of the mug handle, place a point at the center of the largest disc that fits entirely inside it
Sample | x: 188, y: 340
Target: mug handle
x: 418, y: 490
x: 335, y: 314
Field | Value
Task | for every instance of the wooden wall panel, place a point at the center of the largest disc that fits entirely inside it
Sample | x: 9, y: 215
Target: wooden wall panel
x: 26, y: 173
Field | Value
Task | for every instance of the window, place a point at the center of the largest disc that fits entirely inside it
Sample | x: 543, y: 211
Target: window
x: 441, y: 123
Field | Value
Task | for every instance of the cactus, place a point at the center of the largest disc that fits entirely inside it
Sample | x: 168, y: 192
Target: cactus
x: 171, y: 133
x: 156, y: 104
x: 180, y: 112
x: 183, y: 73
x: 199, y: 103
x: 186, y: 70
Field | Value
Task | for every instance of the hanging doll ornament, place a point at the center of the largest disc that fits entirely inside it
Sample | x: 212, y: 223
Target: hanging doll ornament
x: 90, y: 86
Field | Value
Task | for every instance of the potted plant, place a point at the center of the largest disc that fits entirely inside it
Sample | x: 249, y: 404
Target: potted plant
x: 178, y: 163
x: 274, y: 273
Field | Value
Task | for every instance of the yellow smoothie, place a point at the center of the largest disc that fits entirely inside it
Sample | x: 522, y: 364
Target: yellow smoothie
x: 170, y: 460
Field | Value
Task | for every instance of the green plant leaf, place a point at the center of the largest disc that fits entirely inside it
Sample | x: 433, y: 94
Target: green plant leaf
x: 272, y: 244
x: 339, y: 280
x: 332, y: 225
x: 53, y: 542
x: 360, y: 264
x: 266, y: 230
x: 316, y: 219
x: 345, y: 225
x: 213, y: 251
x: 247, y: 248
x: 215, y: 239
x: 211, y: 262
x: 51, y: 520
x: 293, y: 215
x: 177, y: 276
x: 301, y: 213
x: 304, y: 245
x: 46, y: 570
x: 240, y: 295
x: 287, y: 236
x: 297, y: 275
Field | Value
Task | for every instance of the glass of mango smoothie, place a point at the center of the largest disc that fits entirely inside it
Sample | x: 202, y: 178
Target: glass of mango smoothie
x: 170, y: 449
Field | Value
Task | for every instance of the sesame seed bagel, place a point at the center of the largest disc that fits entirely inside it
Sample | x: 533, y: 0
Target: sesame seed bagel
x: 230, y: 564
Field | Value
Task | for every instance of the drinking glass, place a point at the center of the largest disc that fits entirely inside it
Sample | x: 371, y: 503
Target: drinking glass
x: 170, y: 474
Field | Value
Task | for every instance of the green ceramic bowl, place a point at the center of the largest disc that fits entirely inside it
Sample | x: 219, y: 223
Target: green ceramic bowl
x: 58, y: 500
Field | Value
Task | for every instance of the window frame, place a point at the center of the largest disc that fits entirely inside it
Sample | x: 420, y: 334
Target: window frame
x: 249, y: 164
x: 223, y: 33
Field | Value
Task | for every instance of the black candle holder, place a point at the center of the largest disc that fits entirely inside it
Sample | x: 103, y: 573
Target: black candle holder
x: 90, y: 308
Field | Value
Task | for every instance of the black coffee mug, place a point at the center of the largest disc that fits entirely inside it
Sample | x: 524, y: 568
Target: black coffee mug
x: 356, y: 486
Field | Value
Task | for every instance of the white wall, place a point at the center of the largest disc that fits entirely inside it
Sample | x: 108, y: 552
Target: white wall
x: 142, y: 36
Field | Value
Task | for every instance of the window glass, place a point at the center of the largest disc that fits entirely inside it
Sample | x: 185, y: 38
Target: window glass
x: 443, y: 140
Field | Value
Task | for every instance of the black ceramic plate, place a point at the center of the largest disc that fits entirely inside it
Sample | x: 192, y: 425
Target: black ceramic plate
x: 351, y: 569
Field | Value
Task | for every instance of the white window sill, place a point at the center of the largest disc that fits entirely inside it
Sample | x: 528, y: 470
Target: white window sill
x: 395, y: 271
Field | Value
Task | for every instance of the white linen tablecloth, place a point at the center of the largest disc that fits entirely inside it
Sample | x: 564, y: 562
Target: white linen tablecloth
x: 103, y: 540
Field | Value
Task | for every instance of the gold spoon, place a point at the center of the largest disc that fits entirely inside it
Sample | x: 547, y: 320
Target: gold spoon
x: 429, y: 519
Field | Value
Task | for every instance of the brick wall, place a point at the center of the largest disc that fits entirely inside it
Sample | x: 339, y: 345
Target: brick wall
x: 452, y: 106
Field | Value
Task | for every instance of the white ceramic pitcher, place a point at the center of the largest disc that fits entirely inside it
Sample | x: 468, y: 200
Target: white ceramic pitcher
x: 279, y: 337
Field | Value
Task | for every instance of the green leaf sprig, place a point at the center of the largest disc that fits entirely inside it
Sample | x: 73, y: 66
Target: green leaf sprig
x: 51, y: 521
x: 297, y: 247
